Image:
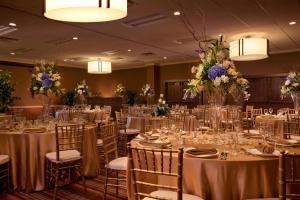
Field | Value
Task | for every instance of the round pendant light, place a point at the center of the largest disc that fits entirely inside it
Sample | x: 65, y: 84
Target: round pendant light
x: 247, y: 49
x: 99, y: 67
x: 85, y: 10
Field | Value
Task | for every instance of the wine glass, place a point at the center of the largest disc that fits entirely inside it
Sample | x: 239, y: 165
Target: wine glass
x: 271, y: 110
x: 266, y: 111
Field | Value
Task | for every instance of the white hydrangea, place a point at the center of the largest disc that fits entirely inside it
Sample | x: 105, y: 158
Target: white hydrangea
x: 292, y: 74
x: 295, y: 84
x: 217, y: 82
x: 224, y: 79
x: 287, y: 82
x: 57, y: 84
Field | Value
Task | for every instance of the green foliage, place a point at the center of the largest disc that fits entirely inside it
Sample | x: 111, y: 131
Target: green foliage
x: 69, y: 98
x: 130, y: 97
x: 6, y: 90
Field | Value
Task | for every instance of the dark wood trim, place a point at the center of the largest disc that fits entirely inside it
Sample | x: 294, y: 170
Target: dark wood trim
x: 266, y: 76
x: 16, y: 64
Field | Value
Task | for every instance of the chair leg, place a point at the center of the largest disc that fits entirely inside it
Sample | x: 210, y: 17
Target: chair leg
x: 106, y: 182
x: 82, y: 177
x: 117, y: 188
x: 56, y: 180
x: 8, y: 177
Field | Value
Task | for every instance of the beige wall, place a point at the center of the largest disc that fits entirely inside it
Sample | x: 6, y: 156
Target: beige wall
x: 105, y: 84
x: 133, y: 79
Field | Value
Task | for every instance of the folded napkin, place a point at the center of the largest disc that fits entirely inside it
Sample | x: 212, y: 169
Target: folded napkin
x: 202, y: 151
x: 266, y: 149
x: 34, y: 130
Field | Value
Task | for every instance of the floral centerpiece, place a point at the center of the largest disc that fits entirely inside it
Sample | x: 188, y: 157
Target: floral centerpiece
x: 6, y: 90
x: 292, y: 86
x: 161, y: 109
x: 120, y: 90
x: 216, y: 74
x: 147, y: 91
x: 46, y: 80
x: 82, y: 88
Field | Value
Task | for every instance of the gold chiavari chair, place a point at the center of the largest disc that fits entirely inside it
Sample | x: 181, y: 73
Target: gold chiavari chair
x: 5, y: 172
x: 256, y: 112
x: 100, y: 147
x: 289, y: 176
x: 291, y: 111
x: 67, y: 158
x: 148, y: 162
x: 177, y: 120
x: 292, y: 125
x: 248, y: 117
x: 113, y: 163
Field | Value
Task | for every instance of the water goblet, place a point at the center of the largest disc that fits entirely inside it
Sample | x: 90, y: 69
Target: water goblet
x: 271, y: 110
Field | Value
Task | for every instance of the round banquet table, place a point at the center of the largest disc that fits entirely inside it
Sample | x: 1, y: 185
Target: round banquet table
x: 91, y: 115
x: 276, y: 121
x: 134, y: 122
x: 27, y: 152
x: 239, y: 177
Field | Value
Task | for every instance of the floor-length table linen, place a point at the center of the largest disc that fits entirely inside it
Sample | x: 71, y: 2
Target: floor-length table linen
x: 239, y: 177
x: 27, y: 152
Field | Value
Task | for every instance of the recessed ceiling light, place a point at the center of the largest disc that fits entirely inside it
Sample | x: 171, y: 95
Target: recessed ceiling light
x: 165, y: 58
x: 75, y: 38
x: 12, y: 24
x: 12, y: 53
x: 177, y: 13
x: 129, y: 50
x: 292, y: 23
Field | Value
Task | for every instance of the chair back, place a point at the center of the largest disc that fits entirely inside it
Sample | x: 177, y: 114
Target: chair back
x: 160, y: 162
x: 289, y: 176
x: 257, y: 111
x: 110, y: 148
x: 69, y: 137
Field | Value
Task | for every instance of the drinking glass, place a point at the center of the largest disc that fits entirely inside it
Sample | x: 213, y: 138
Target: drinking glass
x: 266, y: 111
x: 271, y: 110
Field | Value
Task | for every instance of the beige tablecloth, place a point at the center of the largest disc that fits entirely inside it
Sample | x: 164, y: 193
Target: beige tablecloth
x: 276, y: 122
x: 27, y: 152
x: 239, y: 177
x: 91, y: 115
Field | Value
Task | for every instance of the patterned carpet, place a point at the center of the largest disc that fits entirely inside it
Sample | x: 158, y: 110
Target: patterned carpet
x: 95, y: 190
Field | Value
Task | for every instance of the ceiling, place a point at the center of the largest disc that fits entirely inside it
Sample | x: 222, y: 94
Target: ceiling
x: 165, y: 35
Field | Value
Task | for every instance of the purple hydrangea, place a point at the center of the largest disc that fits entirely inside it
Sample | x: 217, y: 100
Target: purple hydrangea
x: 216, y: 71
x: 45, y: 76
x: 47, y: 83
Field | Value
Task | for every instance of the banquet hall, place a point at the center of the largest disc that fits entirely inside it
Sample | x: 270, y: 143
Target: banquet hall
x: 149, y: 99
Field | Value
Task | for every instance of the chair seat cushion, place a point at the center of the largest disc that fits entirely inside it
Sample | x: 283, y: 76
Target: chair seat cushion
x: 4, y: 159
x: 99, y: 142
x: 64, y: 156
x: 130, y: 131
x: 171, y: 195
x: 118, y: 164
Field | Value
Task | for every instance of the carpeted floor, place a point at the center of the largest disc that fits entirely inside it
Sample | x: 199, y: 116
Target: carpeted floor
x: 95, y: 190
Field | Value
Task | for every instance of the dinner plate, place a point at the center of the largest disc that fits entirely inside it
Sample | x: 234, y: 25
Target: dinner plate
x: 155, y: 144
x: 200, y: 156
x: 256, y: 152
x: 287, y: 143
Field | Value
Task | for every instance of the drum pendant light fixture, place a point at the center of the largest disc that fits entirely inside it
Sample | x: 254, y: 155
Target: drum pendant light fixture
x: 247, y: 49
x: 99, y: 67
x: 85, y: 10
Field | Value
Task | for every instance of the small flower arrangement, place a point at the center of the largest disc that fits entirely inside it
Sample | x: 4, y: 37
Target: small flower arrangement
x: 291, y: 85
x: 147, y: 91
x: 216, y: 71
x: 120, y: 90
x: 45, y: 80
x: 82, y: 88
x: 161, y: 109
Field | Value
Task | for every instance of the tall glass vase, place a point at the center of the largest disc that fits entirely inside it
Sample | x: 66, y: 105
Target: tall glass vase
x: 216, y: 99
x: 46, y: 103
x: 296, y: 99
